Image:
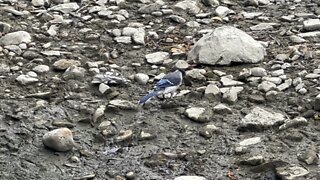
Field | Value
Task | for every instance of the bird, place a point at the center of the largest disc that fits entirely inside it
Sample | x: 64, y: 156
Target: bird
x: 167, y: 85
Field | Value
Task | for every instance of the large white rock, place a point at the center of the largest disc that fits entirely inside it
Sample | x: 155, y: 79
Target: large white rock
x: 225, y: 45
x: 15, y: 38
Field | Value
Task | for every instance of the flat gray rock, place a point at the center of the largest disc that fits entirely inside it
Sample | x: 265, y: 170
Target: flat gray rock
x: 266, y: 86
x: 26, y: 79
x: 260, y: 117
x: 311, y: 24
x: 230, y: 82
x: 309, y: 34
x: 291, y: 172
x: 198, y: 114
x: 15, y: 38
x: 226, y: 45
x: 250, y: 141
x: 122, y: 104
x: 141, y: 78
x: 74, y: 72
x: 189, y: 6
x: 157, y: 58
x: 65, y: 8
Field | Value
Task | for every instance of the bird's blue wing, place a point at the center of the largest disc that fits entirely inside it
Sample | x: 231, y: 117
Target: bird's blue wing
x: 163, y: 83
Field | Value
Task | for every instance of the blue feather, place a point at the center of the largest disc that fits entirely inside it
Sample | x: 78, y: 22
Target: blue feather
x: 163, y: 83
x: 147, y: 97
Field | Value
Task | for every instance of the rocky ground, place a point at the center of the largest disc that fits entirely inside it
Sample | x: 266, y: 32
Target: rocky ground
x: 72, y: 73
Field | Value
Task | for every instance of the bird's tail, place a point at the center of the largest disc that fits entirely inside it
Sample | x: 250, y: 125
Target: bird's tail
x: 147, y: 97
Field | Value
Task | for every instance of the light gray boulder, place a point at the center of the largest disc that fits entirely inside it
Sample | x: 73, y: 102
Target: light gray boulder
x: 226, y: 45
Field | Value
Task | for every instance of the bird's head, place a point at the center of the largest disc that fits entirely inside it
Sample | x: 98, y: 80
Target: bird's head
x: 183, y: 72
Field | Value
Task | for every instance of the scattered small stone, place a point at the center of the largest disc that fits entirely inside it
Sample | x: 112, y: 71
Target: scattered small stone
x: 26, y: 79
x: 104, y: 88
x: 253, y: 161
x: 223, y: 11
x: 258, y: 72
x: 15, y: 38
x: 138, y: 37
x: 291, y: 172
x: 229, y: 82
x: 141, y: 78
x: 41, y: 69
x: 64, y: 64
x: 177, y: 19
x: 189, y: 6
x: 157, y: 58
x: 222, y: 109
x: 74, y: 159
x: 312, y: 76
x: 104, y: 125
x: 146, y: 136
x: 62, y: 123
x: 244, y: 74
x: 74, y: 72
x: 250, y: 141
x: 287, y: 83
x: 309, y: 156
x: 212, y: 89
x: 208, y: 130
x: 197, y: 74
x: 37, y: 3
x: 124, y: 135
x: 263, y: 26
x: 130, y: 175
x: 59, y: 139
x: 99, y: 113
x: 231, y: 94
x: 261, y: 118
x: 122, y: 104
x: 198, y: 114
x: 181, y: 64
x: 123, y: 39
x: 297, y: 39
x: 65, y: 8
x: 277, y: 72
x: 311, y: 24
x: 298, y: 121
x: 256, y: 98
x: 266, y: 86
x: 88, y: 176
x: 4, y: 68
x: 275, y: 80
x: 109, y: 78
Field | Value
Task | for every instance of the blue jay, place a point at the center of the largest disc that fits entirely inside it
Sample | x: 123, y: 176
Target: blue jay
x: 168, y: 84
